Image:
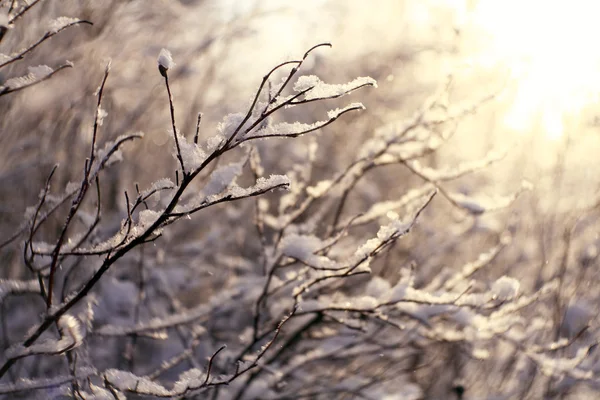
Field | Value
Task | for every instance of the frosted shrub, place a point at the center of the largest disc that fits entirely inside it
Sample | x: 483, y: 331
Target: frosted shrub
x: 301, y: 311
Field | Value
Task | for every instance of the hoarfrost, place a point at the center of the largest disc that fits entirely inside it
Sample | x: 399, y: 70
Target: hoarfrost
x: 147, y: 218
x: 192, y: 155
x: 229, y: 124
x: 189, y: 379
x: 161, y: 184
x: 271, y: 182
x: 213, y: 142
x: 40, y: 72
x: 35, y: 74
x: 60, y: 23
x: 101, y: 114
x: 331, y: 114
x: 127, y: 381
x: 283, y: 129
x: 318, y: 89
x: 222, y: 178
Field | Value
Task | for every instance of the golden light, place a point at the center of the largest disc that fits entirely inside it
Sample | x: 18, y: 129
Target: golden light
x: 549, y: 48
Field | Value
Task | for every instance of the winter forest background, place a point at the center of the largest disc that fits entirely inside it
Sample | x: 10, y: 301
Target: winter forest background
x: 205, y: 199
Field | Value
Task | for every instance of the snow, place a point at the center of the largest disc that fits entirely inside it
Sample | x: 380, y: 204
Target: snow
x: 558, y: 366
x: 441, y: 174
x: 505, y: 288
x: 61, y: 22
x: 229, y: 124
x: 294, y: 129
x: 471, y: 267
x: 482, y: 204
x: 192, y: 154
x: 8, y: 286
x: 40, y: 71
x: 365, y: 303
x: 283, y: 129
x: 35, y: 74
x: 72, y: 187
x: 300, y: 246
x: 158, y: 185
x: 214, y: 142
x: 385, y: 233
x: 101, y: 114
x: 146, y: 218
x: 127, y: 381
x: 109, y: 148
x: 223, y: 177
x: 271, y: 182
x: 319, y: 189
x: 377, y: 287
x: 312, y: 305
x: 380, y: 209
x: 165, y: 59
x: 469, y: 204
x: 578, y: 315
x: 331, y: 114
x: 23, y: 384
x: 317, y: 89
x: 303, y: 247
x: 189, y: 379
x: 70, y: 337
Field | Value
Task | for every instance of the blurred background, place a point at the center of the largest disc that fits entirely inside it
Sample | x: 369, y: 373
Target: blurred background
x: 528, y: 69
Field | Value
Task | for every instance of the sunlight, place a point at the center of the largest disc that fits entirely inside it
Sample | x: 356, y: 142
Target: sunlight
x: 550, y: 51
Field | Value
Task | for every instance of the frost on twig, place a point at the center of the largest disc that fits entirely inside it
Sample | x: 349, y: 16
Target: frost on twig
x: 71, y: 337
x: 36, y: 75
x: 315, y: 89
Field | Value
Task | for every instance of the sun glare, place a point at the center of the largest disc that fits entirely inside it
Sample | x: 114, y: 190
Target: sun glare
x: 549, y: 49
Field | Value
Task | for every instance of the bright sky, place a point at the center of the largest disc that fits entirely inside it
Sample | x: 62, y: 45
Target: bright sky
x: 550, y: 50
x: 547, y: 45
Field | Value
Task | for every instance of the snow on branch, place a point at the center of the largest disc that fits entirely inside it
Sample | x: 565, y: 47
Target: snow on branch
x: 380, y: 209
x: 56, y: 26
x: 36, y: 75
x: 390, y: 232
x: 25, y: 384
x: 446, y: 174
x: 12, y: 287
x: 157, y: 324
x: 111, y: 152
x: 285, y: 129
x: 315, y: 89
x: 231, y: 193
x: 71, y: 337
x: 481, y: 204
